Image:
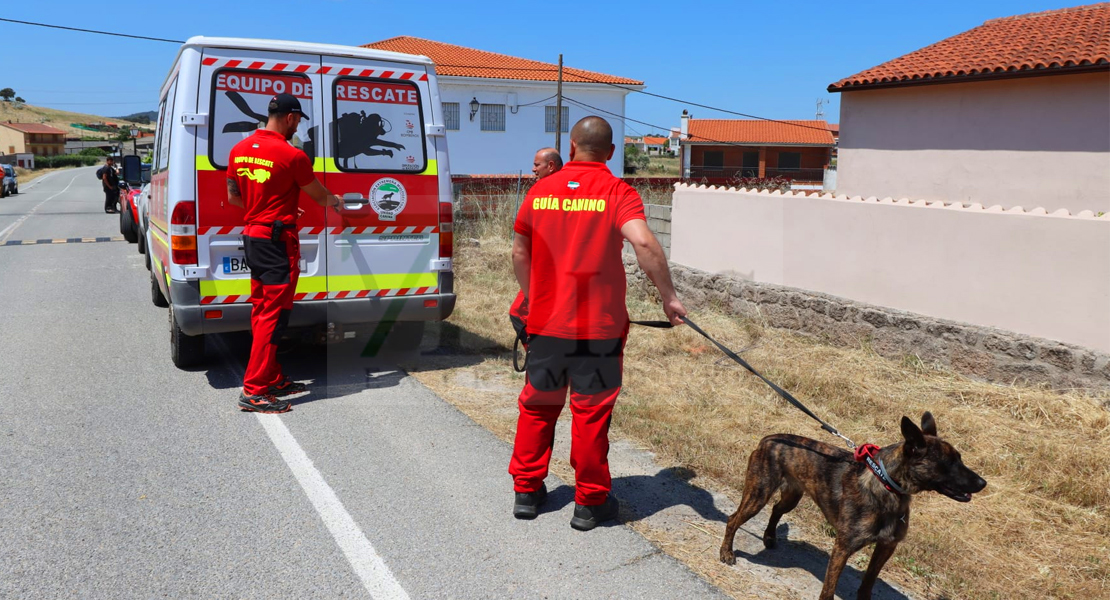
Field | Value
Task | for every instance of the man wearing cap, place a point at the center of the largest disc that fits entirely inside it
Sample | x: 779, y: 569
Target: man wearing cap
x: 266, y: 176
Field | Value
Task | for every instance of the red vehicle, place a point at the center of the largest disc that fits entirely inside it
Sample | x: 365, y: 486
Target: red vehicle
x: 128, y: 208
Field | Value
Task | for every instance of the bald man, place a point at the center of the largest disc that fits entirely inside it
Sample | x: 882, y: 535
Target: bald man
x: 546, y: 162
x: 570, y: 232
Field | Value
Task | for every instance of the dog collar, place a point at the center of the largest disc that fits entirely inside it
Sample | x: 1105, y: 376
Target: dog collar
x: 868, y: 454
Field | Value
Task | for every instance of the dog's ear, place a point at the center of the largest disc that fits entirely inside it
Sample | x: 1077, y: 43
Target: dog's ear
x: 928, y: 424
x: 915, y: 440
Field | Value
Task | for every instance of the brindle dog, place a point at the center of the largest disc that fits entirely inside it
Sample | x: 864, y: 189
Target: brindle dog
x: 851, y: 497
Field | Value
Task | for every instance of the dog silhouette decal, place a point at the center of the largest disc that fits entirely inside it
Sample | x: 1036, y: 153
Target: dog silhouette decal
x: 361, y: 134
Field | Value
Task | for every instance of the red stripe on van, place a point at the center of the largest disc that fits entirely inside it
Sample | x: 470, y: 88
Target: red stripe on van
x: 323, y: 70
x: 424, y: 77
x: 231, y: 64
x: 346, y: 71
x: 366, y: 73
x: 301, y: 68
x: 256, y: 65
x: 208, y: 62
x: 387, y: 74
x: 281, y: 66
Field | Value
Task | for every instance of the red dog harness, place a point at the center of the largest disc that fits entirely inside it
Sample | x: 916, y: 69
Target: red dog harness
x: 869, y: 455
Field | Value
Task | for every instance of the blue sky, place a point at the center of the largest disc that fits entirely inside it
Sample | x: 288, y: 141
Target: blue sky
x: 771, y: 59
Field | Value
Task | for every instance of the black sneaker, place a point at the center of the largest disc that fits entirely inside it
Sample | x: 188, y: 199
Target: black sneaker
x: 527, y: 504
x: 287, y: 387
x: 587, y: 517
x: 265, y: 403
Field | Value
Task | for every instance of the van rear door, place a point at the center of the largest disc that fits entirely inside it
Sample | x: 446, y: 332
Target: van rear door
x: 237, y: 85
x: 384, y: 241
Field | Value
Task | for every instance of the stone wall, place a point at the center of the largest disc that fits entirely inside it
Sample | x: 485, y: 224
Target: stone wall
x: 659, y: 221
x: 981, y: 352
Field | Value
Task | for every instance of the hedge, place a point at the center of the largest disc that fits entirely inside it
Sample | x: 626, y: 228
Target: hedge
x: 65, y: 160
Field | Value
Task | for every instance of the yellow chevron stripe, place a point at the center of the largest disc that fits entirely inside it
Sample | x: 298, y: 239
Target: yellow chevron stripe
x: 327, y: 165
x: 242, y: 287
x: 203, y: 164
x: 391, y: 281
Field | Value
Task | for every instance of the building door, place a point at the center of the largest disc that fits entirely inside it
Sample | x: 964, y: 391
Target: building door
x: 714, y: 161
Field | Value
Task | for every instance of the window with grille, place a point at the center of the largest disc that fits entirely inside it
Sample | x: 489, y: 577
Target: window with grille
x: 451, y: 115
x: 549, y: 119
x: 493, y: 117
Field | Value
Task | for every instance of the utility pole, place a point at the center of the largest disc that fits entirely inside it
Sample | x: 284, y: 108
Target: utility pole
x: 559, y: 110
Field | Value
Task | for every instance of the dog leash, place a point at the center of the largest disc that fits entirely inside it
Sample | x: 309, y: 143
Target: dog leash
x: 865, y: 453
x: 781, y: 392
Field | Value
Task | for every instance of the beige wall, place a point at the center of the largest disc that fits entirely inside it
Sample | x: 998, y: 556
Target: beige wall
x: 1035, y: 141
x: 1029, y: 272
x: 10, y: 138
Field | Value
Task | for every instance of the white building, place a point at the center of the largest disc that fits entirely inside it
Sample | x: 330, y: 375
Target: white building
x: 501, y: 109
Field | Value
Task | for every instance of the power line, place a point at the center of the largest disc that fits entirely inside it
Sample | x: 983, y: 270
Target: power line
x: 572, y: 74
x: 125, y: 35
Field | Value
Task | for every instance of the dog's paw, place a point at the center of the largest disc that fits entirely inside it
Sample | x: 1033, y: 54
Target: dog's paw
x: 769, y: 542
x: 727, y: 556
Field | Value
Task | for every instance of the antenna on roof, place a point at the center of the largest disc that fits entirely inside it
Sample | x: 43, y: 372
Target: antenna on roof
x: 820, y: 113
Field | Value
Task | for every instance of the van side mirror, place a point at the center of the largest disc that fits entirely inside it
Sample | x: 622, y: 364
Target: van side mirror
x: 133, y: 170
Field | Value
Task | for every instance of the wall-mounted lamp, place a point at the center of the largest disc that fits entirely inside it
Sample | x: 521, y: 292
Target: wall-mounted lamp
x: 474, y: 105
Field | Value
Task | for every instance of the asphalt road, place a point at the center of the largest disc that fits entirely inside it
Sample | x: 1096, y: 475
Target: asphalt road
x: 122, y: 476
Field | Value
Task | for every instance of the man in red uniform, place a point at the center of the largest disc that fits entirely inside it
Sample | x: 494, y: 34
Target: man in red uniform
x: 266, y: 175
x: 567, y: 258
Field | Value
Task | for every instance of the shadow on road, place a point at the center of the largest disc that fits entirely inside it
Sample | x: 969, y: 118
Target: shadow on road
x: 368, y: 361
x: 643, y: 495
x: 803, y: 555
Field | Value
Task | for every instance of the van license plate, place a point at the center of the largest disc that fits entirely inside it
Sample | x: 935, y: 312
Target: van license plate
x: 234, y: 265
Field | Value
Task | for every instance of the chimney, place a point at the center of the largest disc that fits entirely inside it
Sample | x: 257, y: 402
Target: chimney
x: 684, y: 150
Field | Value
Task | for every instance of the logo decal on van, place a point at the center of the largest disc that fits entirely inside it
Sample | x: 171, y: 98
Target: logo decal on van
x: 388, y: 198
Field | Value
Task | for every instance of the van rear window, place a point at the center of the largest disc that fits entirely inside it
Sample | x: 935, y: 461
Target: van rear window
x: 379, y: 126
x: 239, y: 107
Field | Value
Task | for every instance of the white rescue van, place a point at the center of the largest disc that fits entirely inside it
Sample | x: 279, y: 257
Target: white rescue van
x: 376, y: 138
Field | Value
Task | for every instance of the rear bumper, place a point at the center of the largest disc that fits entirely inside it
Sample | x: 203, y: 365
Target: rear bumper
x: 347, y: 311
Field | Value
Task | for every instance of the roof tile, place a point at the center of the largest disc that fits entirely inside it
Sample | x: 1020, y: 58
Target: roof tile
x: 459, y: 61
x: 32, y: 128
x: 1055, y: 40
x: 758, y: 131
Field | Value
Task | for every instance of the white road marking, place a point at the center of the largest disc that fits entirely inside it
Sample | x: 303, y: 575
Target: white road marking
x: 365, y: 560
x: 4, y: 235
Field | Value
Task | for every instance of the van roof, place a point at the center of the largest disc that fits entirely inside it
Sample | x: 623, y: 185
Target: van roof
x: 201, y: 41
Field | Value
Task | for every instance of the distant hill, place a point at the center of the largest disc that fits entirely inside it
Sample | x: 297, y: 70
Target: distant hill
x: 150, y: 116
x: 60, y: 119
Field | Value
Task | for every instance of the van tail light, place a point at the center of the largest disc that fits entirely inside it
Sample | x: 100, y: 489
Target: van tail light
x: 183, y: 233
x: 446, y: 230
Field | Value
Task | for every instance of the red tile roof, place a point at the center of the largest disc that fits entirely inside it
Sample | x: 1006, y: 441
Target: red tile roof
x: 32, y: 128
x: 459, y: 61
x: 759, y: 132
x: 1047, y: 43
x: 657, y: 141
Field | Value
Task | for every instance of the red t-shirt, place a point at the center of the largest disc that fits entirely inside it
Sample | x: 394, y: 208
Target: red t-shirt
x: 270, y: 173
x: 577, y: 283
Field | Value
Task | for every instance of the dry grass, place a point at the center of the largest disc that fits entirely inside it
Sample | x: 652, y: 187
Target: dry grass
x: 1041, y: 529
x: 61, y: 119
x: 26, y: 176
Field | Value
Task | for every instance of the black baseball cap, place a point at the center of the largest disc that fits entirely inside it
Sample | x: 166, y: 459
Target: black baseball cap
x: 286, y: 103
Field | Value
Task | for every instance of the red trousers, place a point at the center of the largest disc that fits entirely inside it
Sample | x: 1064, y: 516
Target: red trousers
x: 275, y: 268
x: 589, y: 446
x: 592, y: 372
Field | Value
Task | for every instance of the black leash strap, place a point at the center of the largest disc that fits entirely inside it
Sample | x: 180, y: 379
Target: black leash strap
x: 785, y: 394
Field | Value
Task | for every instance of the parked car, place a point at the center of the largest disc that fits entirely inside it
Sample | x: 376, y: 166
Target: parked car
x: 142, y: 206
x: 10, y: 184
x: 129, y: 191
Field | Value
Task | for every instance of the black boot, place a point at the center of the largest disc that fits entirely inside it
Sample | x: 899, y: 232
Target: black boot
x: 527, y: 504
x: 587, y: 517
